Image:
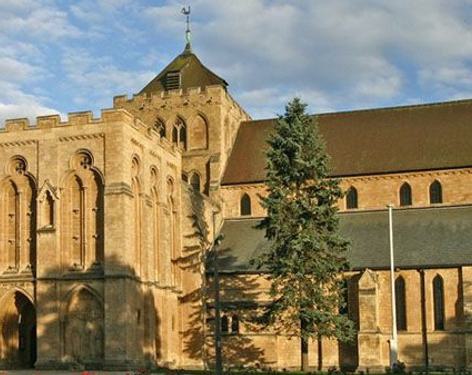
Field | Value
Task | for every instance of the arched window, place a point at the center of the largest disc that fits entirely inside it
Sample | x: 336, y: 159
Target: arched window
x: 235, y: 324
x: 405, y: 195
x: 175, y: 135
x: 351, y: 198
x: 438, y: 301
x: 183, y: 135
x: 160, y: 128
x: 435, y: 192
x: 224, y: 324
x: 245, y: 204
x: 179, y: 134
x: 400, y: 303
x: 195, y: 181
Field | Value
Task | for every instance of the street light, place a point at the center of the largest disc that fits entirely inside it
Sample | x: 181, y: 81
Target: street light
x: 393, y: 339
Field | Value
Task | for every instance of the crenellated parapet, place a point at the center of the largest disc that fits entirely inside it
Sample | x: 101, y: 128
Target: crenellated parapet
x: 194, y: 96
x: 108, y: 117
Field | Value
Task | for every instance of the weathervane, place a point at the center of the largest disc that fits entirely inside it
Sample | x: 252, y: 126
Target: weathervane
x: 188, y: 37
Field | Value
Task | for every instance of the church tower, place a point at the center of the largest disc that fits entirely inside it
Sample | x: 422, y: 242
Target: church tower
x: 189, y: 106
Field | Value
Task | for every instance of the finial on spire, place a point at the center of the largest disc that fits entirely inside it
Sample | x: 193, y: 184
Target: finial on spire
x: 188, y: 33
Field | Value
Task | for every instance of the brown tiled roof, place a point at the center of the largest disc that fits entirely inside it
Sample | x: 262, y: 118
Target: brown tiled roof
x: 365, y: 142
x: 193, y: 74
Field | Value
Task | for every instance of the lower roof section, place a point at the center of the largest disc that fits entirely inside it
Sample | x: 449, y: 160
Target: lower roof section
x: 423, y: 238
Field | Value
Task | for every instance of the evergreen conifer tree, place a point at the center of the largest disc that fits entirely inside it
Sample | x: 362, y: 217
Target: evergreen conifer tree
x: 306, y: 256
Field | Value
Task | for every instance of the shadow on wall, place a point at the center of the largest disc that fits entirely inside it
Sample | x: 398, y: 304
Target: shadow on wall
x: 72, y: 317
x: 198, y: 341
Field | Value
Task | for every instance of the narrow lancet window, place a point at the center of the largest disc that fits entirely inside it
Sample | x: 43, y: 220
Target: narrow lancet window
x: 245, y: 204
x: 351, y: 198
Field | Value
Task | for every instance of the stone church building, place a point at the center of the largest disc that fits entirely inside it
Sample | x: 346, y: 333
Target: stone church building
x: 105, y: 223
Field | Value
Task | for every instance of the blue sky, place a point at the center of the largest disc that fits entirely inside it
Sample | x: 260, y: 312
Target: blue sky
x: 63, y: 56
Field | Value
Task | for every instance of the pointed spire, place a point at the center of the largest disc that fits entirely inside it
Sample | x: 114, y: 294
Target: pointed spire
x: 188, y: 33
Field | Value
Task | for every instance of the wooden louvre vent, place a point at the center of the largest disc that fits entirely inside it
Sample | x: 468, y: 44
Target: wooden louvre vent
x: 172, y: 81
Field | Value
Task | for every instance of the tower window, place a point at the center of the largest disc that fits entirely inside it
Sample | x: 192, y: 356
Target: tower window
x: 351, y: 198
x: 438, y: 300
x: 172, y: 81
x: 435, y: 192
x: 405, y: 195
x: 245, y: 205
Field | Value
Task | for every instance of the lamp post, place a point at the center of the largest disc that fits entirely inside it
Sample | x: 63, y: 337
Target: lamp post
x: 393, y: 339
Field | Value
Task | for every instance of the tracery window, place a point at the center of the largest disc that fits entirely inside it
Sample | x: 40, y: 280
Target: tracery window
x: 405, y: 195
x: 438, y: 302
x: 245, y: 205
x: 435, y: 192
x: 179, y: 134
x: 351, y: 198
x: 18, y: 219
x: 82, y: 217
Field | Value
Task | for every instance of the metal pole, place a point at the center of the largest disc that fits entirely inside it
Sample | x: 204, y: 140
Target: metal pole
x: 216, y: 280
x: 393, y: 339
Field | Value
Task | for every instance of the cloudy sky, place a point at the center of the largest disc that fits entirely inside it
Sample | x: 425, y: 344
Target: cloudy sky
x: 63, y: 56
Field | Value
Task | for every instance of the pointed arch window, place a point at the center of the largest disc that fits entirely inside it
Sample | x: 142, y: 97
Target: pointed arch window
x: 245, y: 205
x: 351, y: 198
x: 235, y: 324
x: 438, y: 301
x: 400, y: 303
x: 179, y: 134
x: 435, y: 192
x: 195, y: 181
x: 405, y: 195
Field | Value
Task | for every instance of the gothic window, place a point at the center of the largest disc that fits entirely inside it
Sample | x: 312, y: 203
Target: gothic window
x: 438, y: 302
x: 351, y: 198
x: 137, y: 209
x: 195, y: 181
x: 235, y: 324
x: 400, y: 303
x: 245, y: 205
x: 179, y: 134
x: 160, y: 128
x: 224, y: 324
x: 18, y: 245
x: 435, y: 192
x: 405, y: 195
x: 83, y: 214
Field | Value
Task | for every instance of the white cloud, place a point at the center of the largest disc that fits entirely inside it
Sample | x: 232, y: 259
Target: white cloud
x: 14, y: 103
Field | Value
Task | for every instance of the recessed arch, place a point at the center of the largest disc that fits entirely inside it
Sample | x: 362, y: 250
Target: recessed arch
x: 198, y: 133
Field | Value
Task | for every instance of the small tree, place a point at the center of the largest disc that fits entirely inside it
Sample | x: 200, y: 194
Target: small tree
x: 306, y: 256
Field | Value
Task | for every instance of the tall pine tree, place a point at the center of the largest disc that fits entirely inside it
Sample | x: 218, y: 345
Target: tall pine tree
x: 306, y: 256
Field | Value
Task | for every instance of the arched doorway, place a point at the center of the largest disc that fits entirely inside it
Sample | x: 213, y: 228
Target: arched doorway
x: 18, y: 331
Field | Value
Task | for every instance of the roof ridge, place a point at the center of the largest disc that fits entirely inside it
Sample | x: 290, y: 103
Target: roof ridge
x: 378, y: 109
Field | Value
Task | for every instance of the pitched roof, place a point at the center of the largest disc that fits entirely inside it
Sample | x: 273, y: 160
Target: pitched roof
x: 192, y: 74
x: 364, y: 142
x: 423, y: 237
